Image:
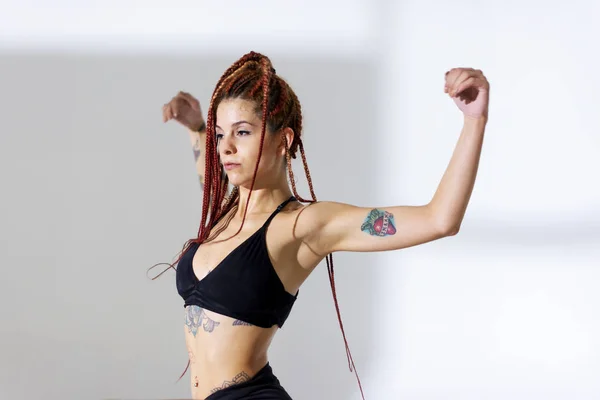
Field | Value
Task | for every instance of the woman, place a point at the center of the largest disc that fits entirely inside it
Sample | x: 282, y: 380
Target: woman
x: 260, y: 243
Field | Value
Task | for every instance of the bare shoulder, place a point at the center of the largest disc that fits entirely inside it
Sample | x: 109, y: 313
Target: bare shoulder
x: 310, y: 218
x: 304, y: 219
x: 287, y: 235
x: 293, y: 230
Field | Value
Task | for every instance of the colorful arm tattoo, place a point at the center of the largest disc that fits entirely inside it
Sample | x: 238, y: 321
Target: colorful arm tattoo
x: 379, y: 223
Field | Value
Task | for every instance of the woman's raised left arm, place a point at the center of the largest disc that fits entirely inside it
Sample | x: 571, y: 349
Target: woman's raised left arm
x: 329, y: 226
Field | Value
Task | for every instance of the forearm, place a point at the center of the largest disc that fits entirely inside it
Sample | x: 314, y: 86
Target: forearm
x: 198, y: 141
x: 454, y: 191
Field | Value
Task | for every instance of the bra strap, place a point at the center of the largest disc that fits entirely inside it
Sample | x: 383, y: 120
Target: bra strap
x: 279, y: 208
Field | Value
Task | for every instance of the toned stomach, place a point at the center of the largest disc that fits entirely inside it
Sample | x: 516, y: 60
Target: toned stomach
x: 222, y: 351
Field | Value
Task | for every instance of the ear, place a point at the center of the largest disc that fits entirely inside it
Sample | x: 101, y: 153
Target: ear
x: 287, y: 138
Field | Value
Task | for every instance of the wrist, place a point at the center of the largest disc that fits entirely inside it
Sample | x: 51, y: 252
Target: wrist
x: 200, y: 128
x: 475, y: 121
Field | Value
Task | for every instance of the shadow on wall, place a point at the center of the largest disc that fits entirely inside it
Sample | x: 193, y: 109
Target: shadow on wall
x: 112, y: 191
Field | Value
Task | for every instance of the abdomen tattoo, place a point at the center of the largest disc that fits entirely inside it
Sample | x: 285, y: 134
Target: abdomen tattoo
x: 379, y: 223
x: 239, y: 378
x: 195, y: 316
x: 239, y: 322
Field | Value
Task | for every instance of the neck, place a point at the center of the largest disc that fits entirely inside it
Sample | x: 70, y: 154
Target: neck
x: 262, y: 200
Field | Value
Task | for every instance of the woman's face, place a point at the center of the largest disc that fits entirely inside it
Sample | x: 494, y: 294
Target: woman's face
x: 238, y: 130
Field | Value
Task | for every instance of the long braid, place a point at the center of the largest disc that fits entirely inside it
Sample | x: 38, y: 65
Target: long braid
x: 215, y: 185
x: 284, y: 96
x: 214, y: 197
x: 214, y: 177
x: 329, y: 257
x: 298, y: 143
x: 230, y: 75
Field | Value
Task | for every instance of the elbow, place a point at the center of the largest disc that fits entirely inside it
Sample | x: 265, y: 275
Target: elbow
x: 448, y: 228
x: 452, y: 231
x: 446, y: 224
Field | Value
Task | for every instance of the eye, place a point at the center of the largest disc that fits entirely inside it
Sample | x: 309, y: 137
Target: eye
x: 218, y: 136
x: 243, y: 133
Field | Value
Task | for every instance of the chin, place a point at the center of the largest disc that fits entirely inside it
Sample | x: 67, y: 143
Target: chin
x: 243, y: 179
x: 237, y: 180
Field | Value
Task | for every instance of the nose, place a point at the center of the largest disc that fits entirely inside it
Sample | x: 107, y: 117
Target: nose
x: 227, y: 145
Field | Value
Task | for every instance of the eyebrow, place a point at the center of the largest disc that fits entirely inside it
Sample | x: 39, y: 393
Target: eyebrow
x: 238, y: 123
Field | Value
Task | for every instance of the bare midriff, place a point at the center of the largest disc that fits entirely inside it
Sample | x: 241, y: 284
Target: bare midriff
x: 223, y: 351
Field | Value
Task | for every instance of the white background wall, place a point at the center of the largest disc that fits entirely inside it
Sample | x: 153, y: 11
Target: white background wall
x: 95, y: 190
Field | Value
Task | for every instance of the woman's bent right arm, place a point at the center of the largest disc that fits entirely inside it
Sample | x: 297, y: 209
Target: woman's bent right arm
x: 198, y: 140
x: 185, y: 109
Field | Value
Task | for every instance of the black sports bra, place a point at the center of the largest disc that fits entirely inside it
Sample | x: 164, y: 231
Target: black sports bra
x: 243, y: 286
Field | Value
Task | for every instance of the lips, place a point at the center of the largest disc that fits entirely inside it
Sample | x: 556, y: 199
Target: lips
x: 229, y: 166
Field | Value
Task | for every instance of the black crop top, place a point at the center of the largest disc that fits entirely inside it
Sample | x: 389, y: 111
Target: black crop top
x: 243, y: 286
